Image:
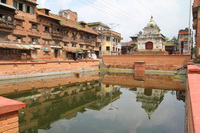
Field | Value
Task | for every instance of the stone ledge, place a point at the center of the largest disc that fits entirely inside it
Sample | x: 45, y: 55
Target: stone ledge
x: 193, y: 69
x: 194, y: 92
x: 8, y: 105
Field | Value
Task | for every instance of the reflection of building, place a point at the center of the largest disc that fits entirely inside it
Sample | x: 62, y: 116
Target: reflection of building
x: 108, y: 94
x: 180, y: 95
x: 150, y: 99
x: 47, y: 105
x: 151, y: 39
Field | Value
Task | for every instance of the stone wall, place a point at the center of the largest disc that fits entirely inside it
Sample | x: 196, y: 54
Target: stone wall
x: 152, y: 62
x: 31, y: 68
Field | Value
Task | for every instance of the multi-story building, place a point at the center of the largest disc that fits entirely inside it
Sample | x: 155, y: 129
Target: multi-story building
x: 196, y: 26
x: 108, y: 40
x: 30, y: 33
x: 183, y: 38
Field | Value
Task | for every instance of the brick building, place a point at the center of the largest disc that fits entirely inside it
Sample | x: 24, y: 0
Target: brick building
x: 28, y: 33
x: 108, y: 40
x: 183, y: 38
x: 196, y: 26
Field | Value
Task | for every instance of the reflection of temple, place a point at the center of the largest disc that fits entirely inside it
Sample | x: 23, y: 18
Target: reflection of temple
x: 150, y: 99
x: 45, y: 106
x: 180, y: 95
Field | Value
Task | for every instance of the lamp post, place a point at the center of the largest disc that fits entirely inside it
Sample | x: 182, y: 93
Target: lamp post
x: 189, y: 31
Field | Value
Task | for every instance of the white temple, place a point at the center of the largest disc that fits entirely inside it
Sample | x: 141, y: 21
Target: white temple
x: 151, y: 39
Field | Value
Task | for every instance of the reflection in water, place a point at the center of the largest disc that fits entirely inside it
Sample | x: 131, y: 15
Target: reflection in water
x: 150, y: 99
x: 82, y: 103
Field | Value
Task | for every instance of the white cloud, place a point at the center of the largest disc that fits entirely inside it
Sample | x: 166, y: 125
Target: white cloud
x: 131, y: 15
x: 42, y: 3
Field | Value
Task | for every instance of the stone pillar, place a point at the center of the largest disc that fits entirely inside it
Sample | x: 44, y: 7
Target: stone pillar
x: 9, y: 115
x: 139, y: 70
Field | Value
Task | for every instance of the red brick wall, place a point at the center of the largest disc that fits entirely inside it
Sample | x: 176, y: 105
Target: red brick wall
x: 149, y: 81
x: 9, y: 122
x: 9, y: 69
x: 152, y: 62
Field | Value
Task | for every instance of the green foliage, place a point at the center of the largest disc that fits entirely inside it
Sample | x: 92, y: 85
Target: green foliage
x: 78, y: 24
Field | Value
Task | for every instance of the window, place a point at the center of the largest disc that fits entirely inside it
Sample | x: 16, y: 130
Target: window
x: 34, y: 26
x: 57, y: 42
x: 23, y: 7
x: 107, y: 38
x: 46, y: 28
x: 19, y: 39
x: 46, y: 42
x: 30, y: 9
x: 107, y: 48
x: 66, y: 43
x: 185, y: 37
x: 3, y: 1
x: 9, y: 18
x: 73, y: 44
x: 20, y: 7
x: 2, y: 17
x: 97, y: 44
x: 46, y: 53
x: 19, y: 22
x: 34, y: 40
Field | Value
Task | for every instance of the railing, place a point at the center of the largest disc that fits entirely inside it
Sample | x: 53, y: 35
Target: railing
x: 57, y: 34
x: 6, y: 24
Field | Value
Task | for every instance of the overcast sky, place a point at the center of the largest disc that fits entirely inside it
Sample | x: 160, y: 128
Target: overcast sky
x: 128, y: 17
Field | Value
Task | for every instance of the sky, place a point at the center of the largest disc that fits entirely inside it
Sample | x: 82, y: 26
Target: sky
x: 128, y: 17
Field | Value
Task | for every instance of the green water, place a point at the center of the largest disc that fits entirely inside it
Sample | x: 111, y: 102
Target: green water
x: 98, y: 107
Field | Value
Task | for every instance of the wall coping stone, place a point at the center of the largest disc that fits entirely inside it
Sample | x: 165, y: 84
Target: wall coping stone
x: 193, y: 68
x: 194, y: 92
x: 144, y: 55
x: 8, y: 105
x: 24, y: 63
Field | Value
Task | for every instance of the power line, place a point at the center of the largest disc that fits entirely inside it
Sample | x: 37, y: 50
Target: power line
x: 110, y: 12
x: 125, y: 13
x: 116, y: 14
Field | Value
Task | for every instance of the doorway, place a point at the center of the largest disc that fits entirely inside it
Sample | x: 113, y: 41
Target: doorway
x: 149, y: 46
x: 56, y: 53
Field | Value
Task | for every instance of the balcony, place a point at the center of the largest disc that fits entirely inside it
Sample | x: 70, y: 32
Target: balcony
x: 6, y: 24
x: 57, y: 34
x: 89, y: 41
